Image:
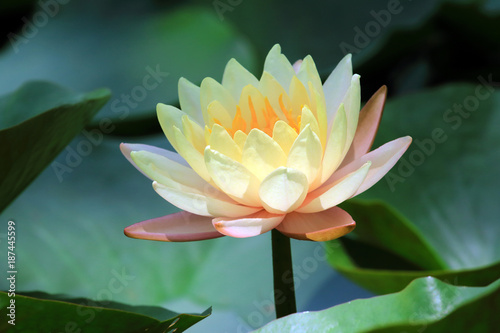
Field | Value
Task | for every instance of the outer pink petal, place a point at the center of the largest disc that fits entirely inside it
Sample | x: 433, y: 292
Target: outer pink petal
x: 369, y: 120
x: 320, y: 227
x: 248, y: 226
x: 178, y: 227
x: 383, y: 159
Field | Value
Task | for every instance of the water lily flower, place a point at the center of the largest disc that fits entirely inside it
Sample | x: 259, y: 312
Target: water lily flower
x: 253, y: 155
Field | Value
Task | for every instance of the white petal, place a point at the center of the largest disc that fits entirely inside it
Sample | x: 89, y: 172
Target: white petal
x: 189, y: 99
x: 233, y: 178
x: 382, y: 158
x: 208, y: 202
x: 278, y: 66
x: 336, y: 86
x: 261, y: 154
x: 283, y: 190
x: 332, y: 194
x: 236, y: 77
x: 306, y: 154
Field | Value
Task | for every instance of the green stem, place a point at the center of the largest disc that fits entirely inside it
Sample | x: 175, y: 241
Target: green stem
x: 284, y: 289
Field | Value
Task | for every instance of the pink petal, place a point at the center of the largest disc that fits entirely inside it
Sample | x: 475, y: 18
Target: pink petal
x: 382, y: 158
x: 248, y: 226
x: 178, y: 227
x: 296, y: 65
x: 369, y: 120
x: 320, y: 227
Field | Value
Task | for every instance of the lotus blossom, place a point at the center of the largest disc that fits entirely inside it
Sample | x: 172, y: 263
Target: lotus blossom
x: 253, y: 155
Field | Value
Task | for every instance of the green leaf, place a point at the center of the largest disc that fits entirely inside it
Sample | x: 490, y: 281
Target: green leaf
x: 36, y: 122
x: 443, y: 193
x: 44, y: 314
x: 427, y: 304
x: 140, y: 54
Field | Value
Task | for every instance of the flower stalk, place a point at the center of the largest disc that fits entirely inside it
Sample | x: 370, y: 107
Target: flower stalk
x: 284, y: 289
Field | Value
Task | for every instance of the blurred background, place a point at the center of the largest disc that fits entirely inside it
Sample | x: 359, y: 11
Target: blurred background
x: 432, y: 55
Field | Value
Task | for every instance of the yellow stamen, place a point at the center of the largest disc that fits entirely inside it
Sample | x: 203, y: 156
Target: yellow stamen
x: 288, y: 115
x: 238, y: 122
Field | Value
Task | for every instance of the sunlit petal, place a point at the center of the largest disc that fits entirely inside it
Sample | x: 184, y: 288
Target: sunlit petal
x: 233, y: 178
x: 283, y: 190
x: 261, y: 154
x: 334, y: 193
x: 236, y: 77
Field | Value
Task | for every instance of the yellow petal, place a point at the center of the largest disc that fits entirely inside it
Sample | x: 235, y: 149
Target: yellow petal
x: 194, y: 133
x: 252, y: 107
x: 336, y: 86
x: 169, y: 116
x: 240, y: 138
x: 211, y: 90
x: 189, y: 99
x: 222, y: 142
x: 319, y: 111
x: 305, y: 154
x: 166, y: 171
x: 190, y: 154
x: 233, y: 178
x: 170, y: 119
x: 298, y: 97
x: 352, y: 104
x: 283, y: 190
x: 330, y: 195
x: 278, y: 66
x: 202, y: 203
x: 261, y: 154
x: 236, y: 77
x: 218, y: 114
x: 271, y: 88
x: 308, y: 119
x: 308, y: 74
x: 334, y: 151
x: 284, y: 135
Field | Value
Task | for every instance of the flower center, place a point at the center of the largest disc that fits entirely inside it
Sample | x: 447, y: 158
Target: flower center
x: 269, y: 117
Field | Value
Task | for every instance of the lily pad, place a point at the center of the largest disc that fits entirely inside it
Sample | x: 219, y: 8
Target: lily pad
x: 137, y: 49
x: 36, y: 122
x: 427, y: 304
x: 443, y: 192
x: 83, y: 315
